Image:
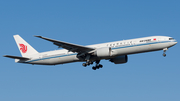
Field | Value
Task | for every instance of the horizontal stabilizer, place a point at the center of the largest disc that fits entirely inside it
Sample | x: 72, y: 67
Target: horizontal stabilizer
x: 16, y: 57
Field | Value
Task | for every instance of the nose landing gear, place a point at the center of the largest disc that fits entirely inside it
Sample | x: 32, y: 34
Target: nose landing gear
x: 164, y: 54
x: 165, y: 49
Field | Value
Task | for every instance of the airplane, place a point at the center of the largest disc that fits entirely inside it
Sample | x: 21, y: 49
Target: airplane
x: 116, y: 52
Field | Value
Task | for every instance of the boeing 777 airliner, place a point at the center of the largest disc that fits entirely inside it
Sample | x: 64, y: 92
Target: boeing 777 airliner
x: 116, y: 52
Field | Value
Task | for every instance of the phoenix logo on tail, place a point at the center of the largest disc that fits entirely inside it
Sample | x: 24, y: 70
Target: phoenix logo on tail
x: 23, y: 48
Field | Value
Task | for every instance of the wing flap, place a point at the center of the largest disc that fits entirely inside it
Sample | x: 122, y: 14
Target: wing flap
x: 16, y: 57
x: 69, y: 46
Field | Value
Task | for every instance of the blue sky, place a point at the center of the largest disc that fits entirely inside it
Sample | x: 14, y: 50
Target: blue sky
x: 146, y: 76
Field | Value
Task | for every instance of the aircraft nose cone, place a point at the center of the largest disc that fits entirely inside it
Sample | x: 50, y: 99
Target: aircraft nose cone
x: 173, y: 43
x: 176, y: 42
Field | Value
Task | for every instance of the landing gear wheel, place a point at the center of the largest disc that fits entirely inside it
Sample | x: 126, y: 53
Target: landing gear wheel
x: 84, y: 64
x: 164, y: 55
x: 97, y: 67
x: 91, y: 62
x: 165, y: 49
x: 87, y: 63
x: 100, y: 65
x: 94, y: 68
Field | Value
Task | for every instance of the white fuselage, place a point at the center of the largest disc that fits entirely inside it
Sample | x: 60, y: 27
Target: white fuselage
x: 124, y: 47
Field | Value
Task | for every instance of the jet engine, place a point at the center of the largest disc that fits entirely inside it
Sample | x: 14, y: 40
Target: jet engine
x: 103, y: 52
x: 119, y: 59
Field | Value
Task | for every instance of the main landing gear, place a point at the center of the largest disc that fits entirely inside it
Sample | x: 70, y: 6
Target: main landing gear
x: 97, y: 65
x: 94, y: 67
x: 165, y: 49
x: 87, y: 63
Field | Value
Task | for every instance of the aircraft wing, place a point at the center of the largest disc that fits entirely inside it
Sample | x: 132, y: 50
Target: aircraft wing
x: 69, y: 46
x: 16, y: 57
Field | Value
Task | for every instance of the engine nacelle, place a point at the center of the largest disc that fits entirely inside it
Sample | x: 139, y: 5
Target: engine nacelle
x: 119, y: 59
x: 103, y: 52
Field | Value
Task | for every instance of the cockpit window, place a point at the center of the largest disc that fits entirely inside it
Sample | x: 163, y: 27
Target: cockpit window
x: 171, y: 38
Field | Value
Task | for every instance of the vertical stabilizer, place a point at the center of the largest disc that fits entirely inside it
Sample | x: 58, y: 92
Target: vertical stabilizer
x: 25, y: 49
